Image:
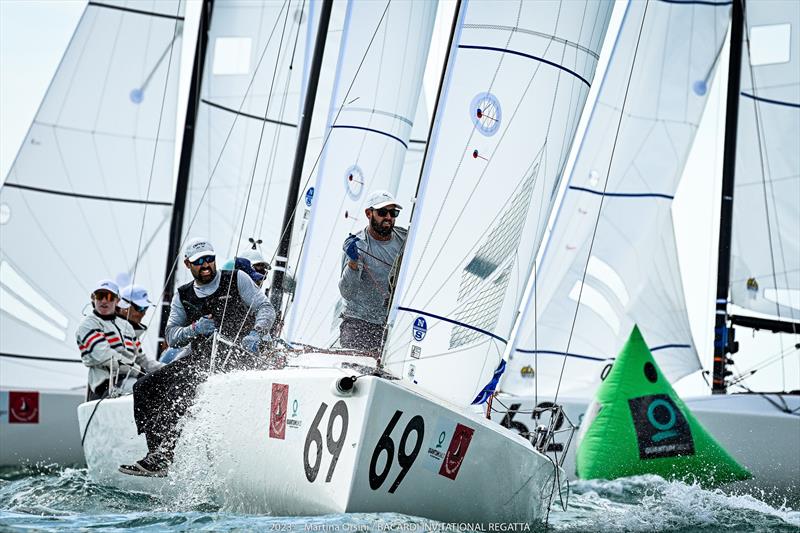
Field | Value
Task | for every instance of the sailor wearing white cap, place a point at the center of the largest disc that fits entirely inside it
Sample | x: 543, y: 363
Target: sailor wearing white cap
x: 369, y: 256
x: 217, y: 300
x: 108, y: 345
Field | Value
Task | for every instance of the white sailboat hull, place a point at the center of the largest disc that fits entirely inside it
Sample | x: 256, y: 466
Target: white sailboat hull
x: 46, y: 433
x: 286, y: 442
x: 759, y: 436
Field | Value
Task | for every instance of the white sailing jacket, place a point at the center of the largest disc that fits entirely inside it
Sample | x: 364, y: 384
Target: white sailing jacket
x: 109, y: 344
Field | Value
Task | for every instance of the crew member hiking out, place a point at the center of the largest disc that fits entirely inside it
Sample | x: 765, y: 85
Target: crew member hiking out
x: 224, y: 301
x: 369, y: 256
x: 109, y: 346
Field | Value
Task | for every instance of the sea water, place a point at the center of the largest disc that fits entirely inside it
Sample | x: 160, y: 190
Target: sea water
x: 65, y: 499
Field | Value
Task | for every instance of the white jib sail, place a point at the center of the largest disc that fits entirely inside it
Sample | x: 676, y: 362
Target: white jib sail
x: 371, y: 117
x: 90, y: 192
x: 765, y: 258
x: 516, y: 83
x: 246, y: 133
x: 669, y: 51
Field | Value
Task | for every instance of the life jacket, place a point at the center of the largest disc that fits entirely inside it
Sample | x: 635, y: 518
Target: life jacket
x: 234, y: 320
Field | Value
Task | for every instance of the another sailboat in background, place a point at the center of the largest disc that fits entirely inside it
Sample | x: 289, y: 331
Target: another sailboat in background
x: 89, y: 195
x: 612, y: 249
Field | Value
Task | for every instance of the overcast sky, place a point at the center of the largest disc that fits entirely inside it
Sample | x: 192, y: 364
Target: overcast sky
x: 35, y: 33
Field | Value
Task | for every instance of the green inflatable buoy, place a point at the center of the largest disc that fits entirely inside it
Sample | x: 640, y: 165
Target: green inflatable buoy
x: 638, y: 425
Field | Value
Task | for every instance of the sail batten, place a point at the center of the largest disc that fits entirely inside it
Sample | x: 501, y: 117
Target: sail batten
x: 611, y: 260
x: 765, y: 253
x: 517, y: 79
x: 91, y: 185
x: 370, y: 122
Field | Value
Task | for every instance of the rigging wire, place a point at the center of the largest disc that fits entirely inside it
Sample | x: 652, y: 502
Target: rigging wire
x: 255, y: 165
x: 764, y: 164
x: 155, y: 146
x: 194, y: 216
x: 600, y: 208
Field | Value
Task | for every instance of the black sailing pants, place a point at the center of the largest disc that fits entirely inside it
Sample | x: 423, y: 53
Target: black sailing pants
x: 161, y: 398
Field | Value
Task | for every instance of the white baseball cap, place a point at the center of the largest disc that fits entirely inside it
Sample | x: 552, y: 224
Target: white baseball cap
x: 197, y: 248
x: 381, y: 198
x: 106, y: 285
x: 254, y: 256
x: 133, y: 294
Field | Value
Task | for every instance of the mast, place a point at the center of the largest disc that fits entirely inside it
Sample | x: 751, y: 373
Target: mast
x: 182, y: 185
x: 276, y: 291
x: 723, y: 344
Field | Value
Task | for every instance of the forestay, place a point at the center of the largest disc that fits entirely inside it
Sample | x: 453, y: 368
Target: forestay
x: 516, y: 82
x: 378, y: 85
x: 90, y: 192
x: 765, y: 258
x: 611, y: 260
x: 246, y: 133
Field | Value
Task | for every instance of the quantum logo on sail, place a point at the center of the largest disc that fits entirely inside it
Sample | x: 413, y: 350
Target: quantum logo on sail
x: 661, y: 428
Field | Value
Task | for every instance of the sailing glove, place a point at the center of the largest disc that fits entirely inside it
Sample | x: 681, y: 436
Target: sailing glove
x: 204, y: 326
x: 251, y: 341
x: 350, y: 247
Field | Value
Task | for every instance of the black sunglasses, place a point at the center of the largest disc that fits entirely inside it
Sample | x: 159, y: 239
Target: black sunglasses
x: 382, y: 212
x: 203, y: 260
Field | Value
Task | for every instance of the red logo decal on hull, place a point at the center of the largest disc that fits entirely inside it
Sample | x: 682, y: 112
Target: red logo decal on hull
x: 277, y: 411
x: 456, y: 452
x: 23, y: 407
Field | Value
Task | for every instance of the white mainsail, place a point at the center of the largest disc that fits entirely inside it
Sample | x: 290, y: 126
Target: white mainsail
x: 612, y: 248
x: 370, y: 122
x: 765, y: 257
x: 90, y: 192
x: 250, y: 104
x: 516, y: 82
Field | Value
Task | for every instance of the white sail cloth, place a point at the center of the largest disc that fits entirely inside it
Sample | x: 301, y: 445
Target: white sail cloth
x: 378, y: 85
x: 611, y: 260
x: 90, y: 192
x: 765, y: 257
x: 246, y: 134
x: 516, y: 82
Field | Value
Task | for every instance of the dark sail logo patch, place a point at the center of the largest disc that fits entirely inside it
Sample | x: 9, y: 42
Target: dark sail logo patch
x: 277, y: 412
x: 23, y: 407
x: 661, y: 428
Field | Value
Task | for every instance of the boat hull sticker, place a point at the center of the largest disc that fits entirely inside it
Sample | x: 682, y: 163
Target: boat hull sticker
x: 277, y: 412
x: 23, y: 407
x: 456, y: 452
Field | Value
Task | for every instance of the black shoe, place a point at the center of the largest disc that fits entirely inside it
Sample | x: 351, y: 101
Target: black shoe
x: 154, y: 464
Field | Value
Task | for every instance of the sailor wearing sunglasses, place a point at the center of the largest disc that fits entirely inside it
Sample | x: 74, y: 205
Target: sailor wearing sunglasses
x: 369, y: 257
x: 216, y: 300
x: 109, y: 346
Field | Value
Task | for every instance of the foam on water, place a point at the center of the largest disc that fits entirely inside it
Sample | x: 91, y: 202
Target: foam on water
x: 53, y: 499
x: 650, y: 503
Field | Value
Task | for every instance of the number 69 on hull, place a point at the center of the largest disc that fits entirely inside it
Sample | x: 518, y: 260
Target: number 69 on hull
x: 299, y: 446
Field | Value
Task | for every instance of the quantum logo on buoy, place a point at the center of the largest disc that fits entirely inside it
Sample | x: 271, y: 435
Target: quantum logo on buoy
x: 661, y: 428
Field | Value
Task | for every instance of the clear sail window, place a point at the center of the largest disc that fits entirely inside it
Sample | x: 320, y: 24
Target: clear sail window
x: 232, y: 56
x: 770, y: 44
